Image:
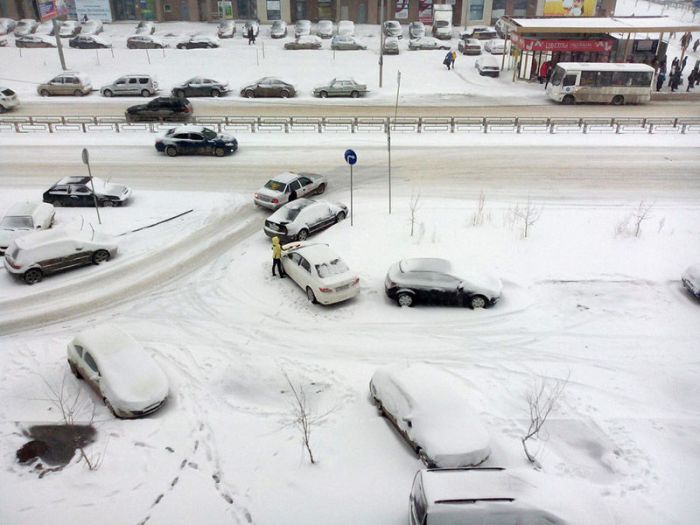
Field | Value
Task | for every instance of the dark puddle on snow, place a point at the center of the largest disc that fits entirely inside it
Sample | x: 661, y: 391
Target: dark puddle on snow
x: 55, y: 445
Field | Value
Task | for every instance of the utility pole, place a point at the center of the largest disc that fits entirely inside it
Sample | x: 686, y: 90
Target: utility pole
x: 59, y: 45
x: 86, y: 161
x: 388, y: 131
x: 381, y: 44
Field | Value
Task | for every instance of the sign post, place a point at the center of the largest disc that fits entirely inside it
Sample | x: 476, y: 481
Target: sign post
x: 50, y: 10
x: 351, y: 159
x: 86, y: 161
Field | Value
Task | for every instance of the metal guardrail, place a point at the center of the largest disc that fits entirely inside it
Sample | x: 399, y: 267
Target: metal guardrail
x: 294, y: 125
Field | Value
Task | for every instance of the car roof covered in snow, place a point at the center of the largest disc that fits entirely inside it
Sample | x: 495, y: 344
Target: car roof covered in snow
x: 42, y: 237
x: 289, y: 176
x: 425, y: 264
x: 80, y: 179
x: 20, y: 209
x: 188, y: 129
x: 315, y: 252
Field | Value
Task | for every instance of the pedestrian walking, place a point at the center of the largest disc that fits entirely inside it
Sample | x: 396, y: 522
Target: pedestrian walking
x: 660, y: 80
x: 696, y: 44
x: 448, y: 59
x: 549, y: 74
x: 685, y: 61
x: 544, y: 68
x: 453, y: 53
x: 277, y: 258
x: 251, y: 36
x: 691, y: 81
x: 671, y: 73
x: 675, y: 79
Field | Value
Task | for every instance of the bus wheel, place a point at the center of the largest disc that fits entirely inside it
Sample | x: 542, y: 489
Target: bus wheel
x: 568, y: 100
x: 618, y: 100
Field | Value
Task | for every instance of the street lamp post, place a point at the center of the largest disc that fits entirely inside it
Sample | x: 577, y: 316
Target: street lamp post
x: 59, y: 45
x: 381, y: 43
x: 388, y: 131
x: 86, y: 161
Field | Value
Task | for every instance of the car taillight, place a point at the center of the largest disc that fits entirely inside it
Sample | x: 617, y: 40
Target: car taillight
x: 188, y: 109
x: 325, y: 290
x: 275, y: 201
x: 256, y: 195
x: 13, y: 264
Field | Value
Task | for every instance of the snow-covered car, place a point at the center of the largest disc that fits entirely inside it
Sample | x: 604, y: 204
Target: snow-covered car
x: 346, y: 43
x: 69, y: 83
x: 431, y: 409
x: 346, y: 27
x: 416, y: 30
x: 145, y: 27
x: 305, y: 42
x: 3, y: 42
x: 426, y: 43
x: 77, y: 191
x: 165, y: 109
x: 226, y: 29
x: 691, y: 280
x: 442, y: 29
x: 131, y: 85
x: 391, y: 46
x: 500, y: 496
x: 91, y: 27
x: 68, y: 29
x: 287, y: 187
x: 118, y: 368
x: 341, y: 87
x: 23, y: 218
x: 251, y: 24
x: 26, y: 26
x: 201, y: 87
x: 41, y: 253
x: 436, y: 281
x: 45, y: 28
x: 195, y: 140
x: 198, y: 42
x: 145, y: 42
x: 8, y: 99
x: 268, y: 87
x: 298, y: 219
x: 325, y: 28
x: 89, y: 42
x: 302, y: 28
x: 278, y: 29
x: 7, y: 25
x: 470, y: 46
x: 320, y: 272
x: 35, y: 41
x: 480, y: 33
x: 487, y: 66
x: 495, y: 46
x: 392, y: 28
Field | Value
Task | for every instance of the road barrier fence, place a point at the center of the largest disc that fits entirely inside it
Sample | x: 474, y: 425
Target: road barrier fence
x: 454, y: 125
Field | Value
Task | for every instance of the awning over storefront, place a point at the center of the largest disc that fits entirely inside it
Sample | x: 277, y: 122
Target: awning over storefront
x: 588, y: 25
x: 596, y: 45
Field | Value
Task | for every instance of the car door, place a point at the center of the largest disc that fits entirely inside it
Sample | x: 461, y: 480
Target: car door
x: 305, y: 277
x: 120, y: 86
x: 195, y: 87
x: 183, y: 144
x: 132, y: 87
x: 294, y: 190
x: 81, y: 196
x: 290, y: 263
x: 307, y: 187
x: 199, y: 145
x: 90, y: 371
x: 56, y: 86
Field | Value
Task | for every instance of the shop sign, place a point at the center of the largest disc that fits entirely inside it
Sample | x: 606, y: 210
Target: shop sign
x: 585, y: 46
x: 49, y: 9
x: 569, y: 7
x: 425, y: 11
x: 94, y: 9
x: 401, y: 11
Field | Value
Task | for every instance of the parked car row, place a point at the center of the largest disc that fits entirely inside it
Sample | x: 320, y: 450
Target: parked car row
x: 67, y: 28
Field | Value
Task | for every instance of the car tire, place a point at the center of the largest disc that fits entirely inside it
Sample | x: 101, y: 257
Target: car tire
x: 100, y: 256
x: 249, y: 93
x: 568, y: 100
x: 303, y: 234
x: 171, y: 151
x: 323, y: 94
x: 33, y: 276
x: 354, y: 94
x: 405, y: 299
x: 310, y: 295
x: 145, y: 93
x: 107, y: 204
x: 215, y: 93
x: 219, y: 152
x: 321, y: 188
x: 179, y: 93
x: 44, y: 93
x: 77, y: 93
x: 340, y: 216
x: 74, y: 370
x: 477, y: 301
x: 618, y: 100
x: 284, y: 93
x: 107, y: 93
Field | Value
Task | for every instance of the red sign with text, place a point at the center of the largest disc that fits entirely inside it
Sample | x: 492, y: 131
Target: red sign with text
x: 536, y: 44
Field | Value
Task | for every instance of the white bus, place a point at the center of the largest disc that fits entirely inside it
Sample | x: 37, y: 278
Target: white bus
x: 573, y: 82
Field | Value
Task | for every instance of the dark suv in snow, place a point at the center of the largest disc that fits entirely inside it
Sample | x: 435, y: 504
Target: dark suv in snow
x: 170, y: 109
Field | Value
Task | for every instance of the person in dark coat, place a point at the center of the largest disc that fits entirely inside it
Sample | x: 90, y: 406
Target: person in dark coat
x: 691, y: 81
x: 448, y: 59
x: 696, y: 44
x: 251, y: 36
x: 660, y: 80
x: 685, y: 61
x: 550, y: 69
x: 675, y: 78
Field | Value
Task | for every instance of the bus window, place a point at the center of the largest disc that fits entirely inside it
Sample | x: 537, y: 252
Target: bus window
x: 621, y: 78
x: 588, y: 78
x: 642, y: 79
x: 569, y: 80
x: 605, y: 79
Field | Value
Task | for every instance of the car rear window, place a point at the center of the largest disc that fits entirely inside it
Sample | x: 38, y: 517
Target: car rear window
x: 17, y: 222
x: 334, y: 267
x: 8, y: 92
x: 274, y: 185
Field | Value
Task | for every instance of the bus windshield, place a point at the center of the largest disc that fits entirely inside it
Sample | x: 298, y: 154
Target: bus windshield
x: 557, y: 76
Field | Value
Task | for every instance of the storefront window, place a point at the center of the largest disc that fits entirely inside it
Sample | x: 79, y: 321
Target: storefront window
x: 520, y: 8
x: 476, y: 10
x: 274, y: 10
x: 247, y: 9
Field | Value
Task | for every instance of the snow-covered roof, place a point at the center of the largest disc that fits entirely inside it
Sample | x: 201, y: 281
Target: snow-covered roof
x: 23, y: 208
x: 190, y: 128
x: 623, y: 24
x: 39, y: 238
x: 426, y: 264
x: 316, y: 253
x: 605, y: 66
x: 286, y: 177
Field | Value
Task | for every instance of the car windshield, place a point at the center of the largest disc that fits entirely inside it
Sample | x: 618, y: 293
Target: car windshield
x: 325, y: 24
x: 334, y: 267
x: 277, y: 24
x: 442, y: 23
x: 19, y: 223
x: 392, y: 25
x: 274, y: 185
x: 208, y: 134
x: 291, y: 213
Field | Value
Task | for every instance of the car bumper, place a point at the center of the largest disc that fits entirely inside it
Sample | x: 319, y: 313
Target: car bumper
x: 337, y: 296
x: 493, y: 74
x: 274, y: 233
x: 132, y: 414
x: 9, y: 103
x: 267, y: 204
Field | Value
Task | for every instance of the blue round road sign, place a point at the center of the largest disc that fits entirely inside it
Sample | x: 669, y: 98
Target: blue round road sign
x: 350, y: 156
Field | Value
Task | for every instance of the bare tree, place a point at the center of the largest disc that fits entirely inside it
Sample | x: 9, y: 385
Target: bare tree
x: 528, y: 215
x: 302, y: 416
x: 413, y: 205
x: 642, y: 213
x: 542, y: 399
x: 478, y: 217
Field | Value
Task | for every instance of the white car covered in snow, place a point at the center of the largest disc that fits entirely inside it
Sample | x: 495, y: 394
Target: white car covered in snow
x: 500, y: 496
x: 119, y: 370
x: 691, y: 280
x: 23, y: 218
x: 431, y: 409
x: 298, y: 219
x: 287, y: 187
x: 320, y: 272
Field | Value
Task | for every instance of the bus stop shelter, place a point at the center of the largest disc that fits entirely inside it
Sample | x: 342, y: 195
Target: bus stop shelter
x: 584, y: 39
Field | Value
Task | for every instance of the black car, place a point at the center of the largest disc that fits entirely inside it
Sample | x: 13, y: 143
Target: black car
x: 171, y: 109
x: 198, y: 42
x: 196, y: 140
x: 88, y: 42
x: 77, y: 191
x: 201, y: 87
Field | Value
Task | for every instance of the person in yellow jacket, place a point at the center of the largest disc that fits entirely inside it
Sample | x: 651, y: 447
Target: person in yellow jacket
x: 277, y: 258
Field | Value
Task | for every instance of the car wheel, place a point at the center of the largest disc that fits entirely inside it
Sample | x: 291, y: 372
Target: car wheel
x: 179, y: 93
x: 404, y: 299
x: 108, y: 93
x: 77, y: 93
x: 44, y: 93
x: 171, y: 151
x: 321, y: 188
x: 145, y: 93
x: 477, y: 301
x: 33, y: 276
x: 74, y: 370
x: 249, y: 93
x: 340, y: 216
x: 618, y: 100
x: 57, y: 204
x: 219, y: 152
x: 107, y: 204
x: 568, y: 100
x: 354, y: 94
x: 323, y: 94
x: 100, y: 256
x: 310, y: 295
x: 215, y: 93
x: 303, y: 234
x: 284, y: 93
